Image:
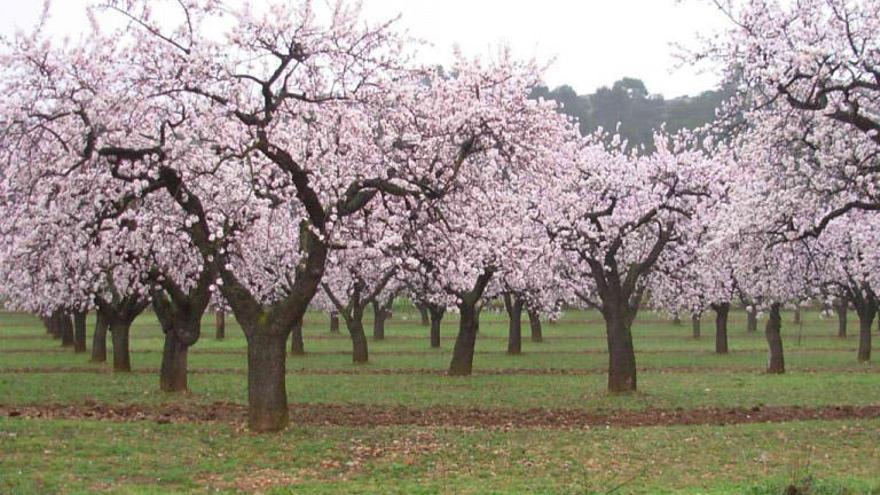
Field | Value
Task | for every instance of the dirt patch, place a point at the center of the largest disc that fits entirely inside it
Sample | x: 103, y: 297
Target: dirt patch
x: 488, y: 418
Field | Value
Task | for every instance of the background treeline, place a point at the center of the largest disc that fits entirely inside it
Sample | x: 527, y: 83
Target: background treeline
x: 639, y: 112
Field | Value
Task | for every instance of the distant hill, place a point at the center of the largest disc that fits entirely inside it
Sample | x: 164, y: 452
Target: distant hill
x: 639, y: 113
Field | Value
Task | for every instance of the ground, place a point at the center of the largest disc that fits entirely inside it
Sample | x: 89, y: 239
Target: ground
x: 536, y: 423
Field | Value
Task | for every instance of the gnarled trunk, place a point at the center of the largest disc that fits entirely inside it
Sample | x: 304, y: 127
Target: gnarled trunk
x: 841, y: 309
x: 119, y: 331
x: 721, y: 313
x: 463, y: 353
x: 267, y: 390
x: 773, y: 331
x: 535, y: 326
x: 355, y: 324
x: 752, y: 320
x: 173, y: 373
x: 99, y: 339
x: 621, y: 353
x: 514, y: 307
x: 695, y: 325
x: 436, y: 313
x: 297, y: 345
x: 219, y: 325
x: 79, y: 332
x: 334, y: 322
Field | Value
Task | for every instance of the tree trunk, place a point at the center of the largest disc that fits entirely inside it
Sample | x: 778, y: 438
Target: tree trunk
x: 752, y: 320
x: 121, y: 354
x: 866, y: 320
x: 334, y: 322
x: 695, y: 325
x: 65, y: 325
x: 79, y: 332
x: 841, y: 309
x: 355, y: 324
x: 676, y: 320
x: 797, y: 316
x: 424, y: 314
x: 514, y: 306
x: 721, y: 313
x: 173, y: 374
x: 297, y: 345
x: 267, y: 390
x: 535, y: 325
x: 436, y: 318
x: 379, y: 316
x: 52, y: 327
x: 463, y: 353
x: 99, y: 340
x: 621, y: 353
x: 220, y: 325
x: 773, y: 331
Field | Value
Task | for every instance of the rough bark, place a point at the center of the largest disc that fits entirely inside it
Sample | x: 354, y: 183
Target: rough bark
x: 267, y: 390
x: 722, y: 311
x: 220, y: 325
x: 297, y: 345
x: 381, y: 312
x: 752, y: 320
x: 695, y: 325
x: 334, y: 322
x: 535, y: 326
x: 79, y: 332
x: 355, y: 323
x: 773, y: 332
x: 514, y: 307
x: 841, y: 309
x: 463, y: 352
x: 119, y: 331
x: 436, y: 313
x: 99, y: 339
x: 621, y: 353
x: 173, y: 373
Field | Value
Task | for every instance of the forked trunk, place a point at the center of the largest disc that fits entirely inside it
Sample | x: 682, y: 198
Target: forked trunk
x: 773, y: 331
x: 436, y: 318
x: 621, y: 353
x: 267, y: 390
x: 463, y: 353
x: 172, y: 375
x: 721, y: 313
x: 535, y: 325
x: 752, y: 320
x: 695, y: 325
x: 119, y: 331
x: 99, y: 340
x: 79, y: 332
x: 220, y: 325
x: 841, y: 309
x: 514, y: 308
x: 297, y: 345
x: 334, y: 322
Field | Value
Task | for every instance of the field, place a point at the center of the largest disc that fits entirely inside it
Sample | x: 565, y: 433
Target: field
x: 536, y: 423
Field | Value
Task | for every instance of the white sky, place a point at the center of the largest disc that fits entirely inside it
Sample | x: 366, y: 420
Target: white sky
x: 593, y: 42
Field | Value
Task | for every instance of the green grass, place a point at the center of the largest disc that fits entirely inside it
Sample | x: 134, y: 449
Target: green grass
x: 828, y: 457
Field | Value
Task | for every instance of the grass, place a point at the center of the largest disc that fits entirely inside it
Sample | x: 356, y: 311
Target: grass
x: 821, y: 457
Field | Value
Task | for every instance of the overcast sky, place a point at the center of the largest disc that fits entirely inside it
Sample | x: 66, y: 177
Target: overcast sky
x: 593, y: 42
